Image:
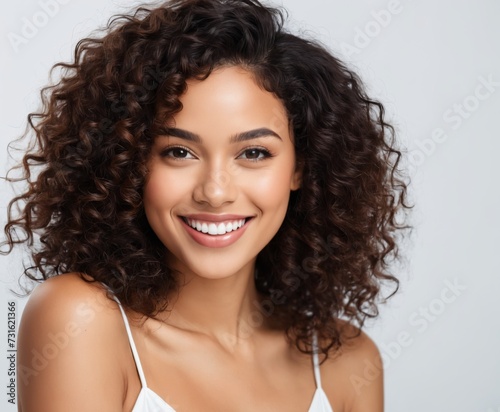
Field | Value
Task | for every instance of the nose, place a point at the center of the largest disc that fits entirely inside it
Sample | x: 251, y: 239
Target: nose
x: 215, y: 187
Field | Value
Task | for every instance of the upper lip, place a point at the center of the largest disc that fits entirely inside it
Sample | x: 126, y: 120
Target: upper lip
x: 214, y: 218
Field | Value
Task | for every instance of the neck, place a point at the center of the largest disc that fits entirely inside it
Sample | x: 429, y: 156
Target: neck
x: 226, y: 309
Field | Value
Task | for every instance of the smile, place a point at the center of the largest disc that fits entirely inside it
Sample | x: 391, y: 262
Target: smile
x: 215, y: 234
x: 213, y: 228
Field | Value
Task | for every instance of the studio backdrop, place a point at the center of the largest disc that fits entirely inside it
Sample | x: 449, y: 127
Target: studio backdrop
x: 436, y: 67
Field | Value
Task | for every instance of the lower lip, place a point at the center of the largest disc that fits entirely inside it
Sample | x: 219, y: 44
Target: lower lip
x: 216, y: 241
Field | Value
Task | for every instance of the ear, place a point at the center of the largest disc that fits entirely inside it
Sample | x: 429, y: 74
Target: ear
x: 296, y: 181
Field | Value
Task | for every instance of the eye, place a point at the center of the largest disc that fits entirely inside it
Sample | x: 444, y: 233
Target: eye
x: 255, y: 154
x: 177, y: 152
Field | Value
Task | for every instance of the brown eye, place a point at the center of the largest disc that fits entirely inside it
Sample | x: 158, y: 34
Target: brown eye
x: 255, y: 154
x: 177, y: 153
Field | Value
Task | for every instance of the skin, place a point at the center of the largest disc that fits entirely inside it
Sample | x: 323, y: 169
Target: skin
x: 219, y: 177
x: 206, y: 342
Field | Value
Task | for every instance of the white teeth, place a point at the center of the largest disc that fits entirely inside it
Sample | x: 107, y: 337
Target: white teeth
x: 215, y: 228
x: 221, y: 229
x: 212, y: 229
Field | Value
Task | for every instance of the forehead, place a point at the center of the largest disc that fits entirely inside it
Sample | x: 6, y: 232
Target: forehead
x: 230, y: 98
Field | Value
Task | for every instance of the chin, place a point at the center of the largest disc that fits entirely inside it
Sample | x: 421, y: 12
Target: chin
x: 217, y: 269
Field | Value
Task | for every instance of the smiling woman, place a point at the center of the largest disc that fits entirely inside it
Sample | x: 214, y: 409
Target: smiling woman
x: 221, y: 165
x: 215, y: 202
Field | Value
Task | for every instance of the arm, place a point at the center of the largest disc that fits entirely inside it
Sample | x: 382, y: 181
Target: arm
x: 367, y: 378
x: 66, y: 359
x: 354, y: 376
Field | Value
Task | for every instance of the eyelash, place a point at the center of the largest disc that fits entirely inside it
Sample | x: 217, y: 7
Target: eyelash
x: 165, y: 152
x: 266, y: 153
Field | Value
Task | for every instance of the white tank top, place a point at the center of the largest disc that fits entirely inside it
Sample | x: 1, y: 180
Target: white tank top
x: 150, y: 401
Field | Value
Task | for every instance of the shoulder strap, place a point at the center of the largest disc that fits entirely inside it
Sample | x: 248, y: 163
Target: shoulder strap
x: 132, y: 345
x: 317, y: 375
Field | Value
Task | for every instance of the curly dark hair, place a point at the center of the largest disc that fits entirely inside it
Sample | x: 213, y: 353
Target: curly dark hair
x: 82, y: 210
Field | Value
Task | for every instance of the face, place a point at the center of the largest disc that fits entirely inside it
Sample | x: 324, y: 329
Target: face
x: 221, y: 175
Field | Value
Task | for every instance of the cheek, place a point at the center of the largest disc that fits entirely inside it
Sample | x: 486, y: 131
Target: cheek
x: 272, y: 189
x: 153, y: 194
x: 162, y: 189
x: 160, y: 194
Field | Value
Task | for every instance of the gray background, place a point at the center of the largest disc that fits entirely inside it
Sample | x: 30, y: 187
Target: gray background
x: 427, y: 62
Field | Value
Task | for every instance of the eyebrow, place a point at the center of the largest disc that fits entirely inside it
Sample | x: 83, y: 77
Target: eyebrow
x: 238, y: 137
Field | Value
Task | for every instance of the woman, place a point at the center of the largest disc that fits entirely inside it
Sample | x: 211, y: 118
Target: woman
x: 214, y: 210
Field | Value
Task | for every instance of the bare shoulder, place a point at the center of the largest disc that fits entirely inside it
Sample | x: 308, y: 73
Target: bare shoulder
x: 67, y: 288
x: 355, y: 373
x: 70, y: 305
x: 66, y: 348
